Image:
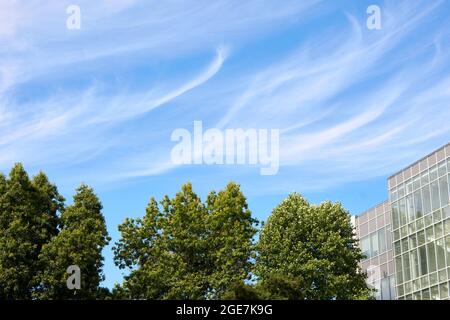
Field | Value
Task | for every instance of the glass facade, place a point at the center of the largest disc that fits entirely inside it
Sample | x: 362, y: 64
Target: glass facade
x: 408, y: 253
x: 420, y: 203
x: 373, y: 228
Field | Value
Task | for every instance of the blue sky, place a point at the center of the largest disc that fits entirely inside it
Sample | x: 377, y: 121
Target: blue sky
x: 98, y: 105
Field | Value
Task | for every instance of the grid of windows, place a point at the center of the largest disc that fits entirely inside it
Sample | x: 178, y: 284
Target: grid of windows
x: 373, y: 228
x: 421, y: 231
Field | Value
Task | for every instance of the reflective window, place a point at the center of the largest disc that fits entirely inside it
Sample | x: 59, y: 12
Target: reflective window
x: 442, y: 169
x: 426, y: 294
x: 435, y: 293
x: 395, y: 220
x: 418, y: 203
x: 447, y: 227
x: 413, y: 241
x: 389, y: 238
x: 365, y: 247
x: 402, y: 211
x: 406, y: 267
x: 416, y: 183
x: 405, y: 246
x: 431, y: 257
x: 398, y: 268
x: 423, y: 260
x: 443, y: 187
x: 401, y: 192
x: 433, y: 173
x: 397, y: 248
x: 414, y: 264
x: 426, y: 202
x: 438, y: 230
x: 385, y: 289
x: 443, y: 288
x: 425, y: 178
x: 374, y: 244
x: 435, y: 204
x: 382, y: 240
x: 429, y: 234
x: 447, y: 246
x: 410, y: 207
x: 440, y: 253
x: 421, y: 238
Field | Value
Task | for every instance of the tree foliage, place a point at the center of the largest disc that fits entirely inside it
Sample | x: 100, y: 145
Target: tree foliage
x: 185, y: 249
x: 182, y: 248
x: 80, y: 241
x: 28, y: 220
x: 314, y: 247
x: 40, y: 239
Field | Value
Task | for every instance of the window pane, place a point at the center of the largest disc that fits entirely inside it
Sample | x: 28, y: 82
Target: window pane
x: 406, y: 267
x: 365, y: 247
x: 438, y: 230
x: 401, y: 192
x: 444, y: 290
x: 413, y: 241
x: 410, y: 207
x: 421, y: 238
x: 405, y: 246
x: 402, y: 211
x: 414, y: 264
x: 440, y: 253
x: 398, y: 268
x: 426, y: 202
x: 382, y: 240
x: 435, y: 293
x: 428, y: 220
x: 430, y: 234
x: 392, y: 284
x: 374, y: 244
x: 389, y: 238
x: 426, y: 294
x: 433, y: 173
x: 431, y: 257
x: 442, y: 169
x: 443, y: 186
x: 446, y: 212
x: 447, y: 226
x: 397, y: 248
x: 425, y: 178
x: 423, y: 260
x: 418, y: 203
x: 395, y: 220
x: 447, y: 247
x: 435, y: 204
x: 416, y: 183
x: 385, y: 289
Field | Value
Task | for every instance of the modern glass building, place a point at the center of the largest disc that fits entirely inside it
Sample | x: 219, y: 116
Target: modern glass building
x: 419, y: 232
x: 375, y: 234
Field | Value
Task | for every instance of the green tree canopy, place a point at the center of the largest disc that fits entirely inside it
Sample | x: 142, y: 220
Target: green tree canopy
x: 314, y: 247
x: 80, y: 241
x: 184, y: 249
x: 28, y: 220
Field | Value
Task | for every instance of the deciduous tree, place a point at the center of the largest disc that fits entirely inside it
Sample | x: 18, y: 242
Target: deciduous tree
x: 313, y: 245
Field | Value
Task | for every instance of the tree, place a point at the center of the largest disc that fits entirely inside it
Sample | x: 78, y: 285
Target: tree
x: 80, y: 241
x: 184, y: 249
x: 231, y: 232
x: 315, y: 248
x: 28, y: 220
